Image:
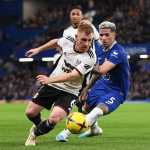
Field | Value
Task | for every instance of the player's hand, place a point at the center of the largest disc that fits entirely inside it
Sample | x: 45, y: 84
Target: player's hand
x: 32, y: 52
x: 83, y: 95
x: 96, y: 69
x: 43, y: 79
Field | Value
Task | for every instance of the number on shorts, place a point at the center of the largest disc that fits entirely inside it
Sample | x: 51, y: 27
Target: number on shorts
x: 111, y: 100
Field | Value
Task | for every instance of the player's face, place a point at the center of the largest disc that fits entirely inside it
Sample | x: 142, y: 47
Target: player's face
x: 75, y: 17
x: 83, y: 41
x: 107, y: 37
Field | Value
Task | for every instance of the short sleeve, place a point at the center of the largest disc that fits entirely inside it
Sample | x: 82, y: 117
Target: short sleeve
x: 61, y: 41
x: 96, y: 34
x: 65, y: 33
x: 115, y: 57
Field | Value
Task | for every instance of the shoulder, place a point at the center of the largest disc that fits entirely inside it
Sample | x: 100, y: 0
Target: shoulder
x: 90, y: 56
x: 118, y: 52
x: 119, y: 49
x: 91, y: 53
x: 70, y: 33
x: 69, y: 30
x: 65, y: 42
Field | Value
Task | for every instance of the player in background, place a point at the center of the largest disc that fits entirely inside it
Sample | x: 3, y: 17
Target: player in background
x: 108, y: 86
x: 76, y: 15
x: 62, y: 86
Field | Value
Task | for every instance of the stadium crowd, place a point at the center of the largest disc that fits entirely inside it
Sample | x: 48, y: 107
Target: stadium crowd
x: 17, y: 81
x: 140, y: 84
x: 131, y: 17
x: 128, y: 16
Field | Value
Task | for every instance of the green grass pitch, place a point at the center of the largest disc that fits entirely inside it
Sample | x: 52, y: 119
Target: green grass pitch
x: 126, y: 129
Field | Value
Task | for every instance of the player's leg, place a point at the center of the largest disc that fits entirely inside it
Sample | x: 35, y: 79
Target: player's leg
x: 65, y: 134
x: 33, y: 114
x: 104, y: 105
x: 67, y: 105
x: 39, y: 101
x: 95, y: 129
x: 62, y: 107
x: 56, y: 116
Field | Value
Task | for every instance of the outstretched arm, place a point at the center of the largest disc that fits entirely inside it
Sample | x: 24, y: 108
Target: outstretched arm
x: 59, y: 78
x: 50, y: 44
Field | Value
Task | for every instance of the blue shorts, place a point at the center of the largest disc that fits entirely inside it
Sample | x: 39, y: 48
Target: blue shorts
x: 112, y: 99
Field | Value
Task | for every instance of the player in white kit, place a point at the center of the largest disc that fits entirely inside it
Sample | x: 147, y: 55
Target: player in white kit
x: 63, y: 85
x: 76, y: 17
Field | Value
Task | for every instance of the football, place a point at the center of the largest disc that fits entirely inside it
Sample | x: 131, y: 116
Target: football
x: 76, y: 123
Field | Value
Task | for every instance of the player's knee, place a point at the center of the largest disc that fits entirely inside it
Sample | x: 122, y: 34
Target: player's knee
x: 30, y: 113
x: 104, y: 108
x: 55, y: 119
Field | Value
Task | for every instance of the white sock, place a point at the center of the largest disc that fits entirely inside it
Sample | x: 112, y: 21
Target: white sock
x: 95, y: 125
x: 93, y: 115
x: 66, y: 133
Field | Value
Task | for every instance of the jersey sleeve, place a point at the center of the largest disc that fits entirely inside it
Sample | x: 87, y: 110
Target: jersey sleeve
x: 65, y: 33
x: 96, y: 34
x: 61, y: 42
x: 115, y: 57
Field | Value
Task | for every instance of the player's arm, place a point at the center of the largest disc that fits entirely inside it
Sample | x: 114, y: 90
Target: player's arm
x: 104, y: 68
x: 97, y: 72
x: 51, y: 44
x: 83, y: 93
x: 74, y: 74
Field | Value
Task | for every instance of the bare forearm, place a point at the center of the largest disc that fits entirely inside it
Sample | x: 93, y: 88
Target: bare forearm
x: 92, y: 80
x: 61, y: 78
x: 50, y: 44
x: 58, y: 78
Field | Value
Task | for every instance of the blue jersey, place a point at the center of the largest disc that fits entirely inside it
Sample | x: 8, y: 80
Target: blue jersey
x: 116, y: 79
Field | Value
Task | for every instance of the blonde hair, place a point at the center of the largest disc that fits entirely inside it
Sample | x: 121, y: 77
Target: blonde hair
x: 85, y: 27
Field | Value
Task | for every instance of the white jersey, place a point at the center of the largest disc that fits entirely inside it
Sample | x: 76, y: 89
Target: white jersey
x: 70, y: 32
x: 70, y: 59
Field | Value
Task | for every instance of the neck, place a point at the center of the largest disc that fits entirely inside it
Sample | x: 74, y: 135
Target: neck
x: 110, y: 46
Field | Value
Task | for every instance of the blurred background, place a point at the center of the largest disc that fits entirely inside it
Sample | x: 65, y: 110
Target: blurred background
x: 25, y: 24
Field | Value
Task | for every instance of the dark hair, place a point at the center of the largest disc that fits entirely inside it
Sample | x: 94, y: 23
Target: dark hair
x: 76, y: 7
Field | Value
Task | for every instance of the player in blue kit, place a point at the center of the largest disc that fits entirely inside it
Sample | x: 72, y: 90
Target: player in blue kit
x: 112, y: 81
x: 111, y: 89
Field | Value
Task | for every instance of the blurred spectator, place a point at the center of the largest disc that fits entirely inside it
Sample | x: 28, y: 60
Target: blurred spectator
x: 131, y: 17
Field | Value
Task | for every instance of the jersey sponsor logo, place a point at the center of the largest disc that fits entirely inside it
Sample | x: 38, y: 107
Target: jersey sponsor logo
x: 68, y: 67
x: 107, y: 76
